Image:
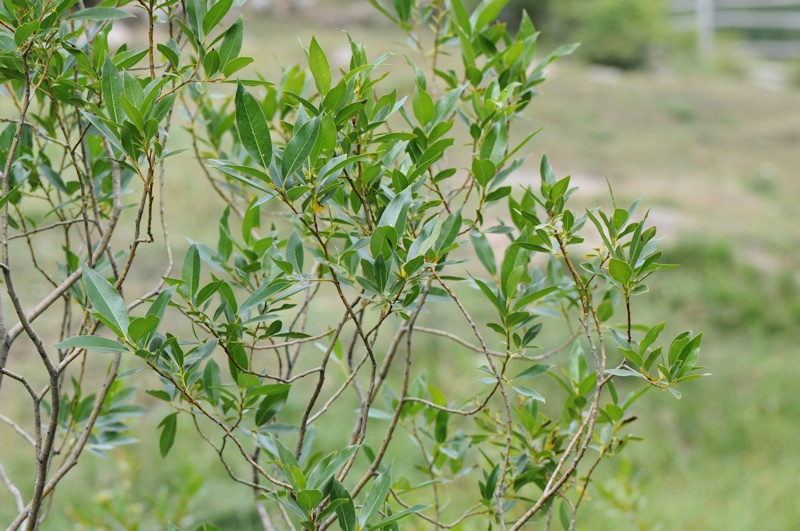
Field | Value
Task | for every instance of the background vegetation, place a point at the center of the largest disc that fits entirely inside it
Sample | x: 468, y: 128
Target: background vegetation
x: 717, y: 156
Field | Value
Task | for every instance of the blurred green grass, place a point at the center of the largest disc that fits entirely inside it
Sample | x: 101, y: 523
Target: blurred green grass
x: 716, y: 158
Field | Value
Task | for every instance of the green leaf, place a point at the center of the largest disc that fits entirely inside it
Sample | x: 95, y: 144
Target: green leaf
x: 190, y: 274
x: 483, y: 170
x: 533, y: 371
x: 132, y: 112
x: 399, y: 516
x: 546, y: 171
x: 231, y: 44
x: 530, y: 393
x: 93, y: 343
x: 216, y: 14
x: 134, y: 92
x: 108, y: 304
x: 294, y: 252
x: 375, y: 497
x: 171, y: 55
x: 486, y: 13
x: 623, y: 372
x: 484, y: 251
x: 422, y: 105
x: 491, y: 295
x: 632, y: 356
x: 450, y: 230
x: 169, y: 426
x: 327, y: 468
x: 531, y: 297
x: 274, y: 400
x: 346, y: 513
x: 394, y: 215
x: 651, y: 337
x: 99, y: 13
x: 494, y: 145
x: 5, y: 198
x: 308, y: 499
x: 142, y: 327
x: 112, y: 88
x: 253, y: 127
x: 264, y: 292
x: 195, y: 12
x: 620, y: 271
x: 159, y: 305
x: 299, y: 147
x: 318, y: 63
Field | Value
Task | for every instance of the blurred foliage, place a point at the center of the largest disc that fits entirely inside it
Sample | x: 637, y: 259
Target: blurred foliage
x: 719, y: 277
x: 619, y: 33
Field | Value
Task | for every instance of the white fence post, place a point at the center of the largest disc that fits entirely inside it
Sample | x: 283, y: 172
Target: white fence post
x: 705, y: 28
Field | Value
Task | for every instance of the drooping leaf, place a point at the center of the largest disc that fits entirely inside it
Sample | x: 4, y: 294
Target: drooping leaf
x: 169, y: 427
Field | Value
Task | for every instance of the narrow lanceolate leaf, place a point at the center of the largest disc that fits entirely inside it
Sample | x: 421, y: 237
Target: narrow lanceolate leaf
x: 190, y: 273
x: 398, y: 516
x: 231, y: 43
x: 99, y: 13
x: 112, y: 88
x: 253, y: 128
x: 375, y: 497
x: 106, y: 301
x: 216, y: 14
x: 195, y: 12
x: 169, y: 426
x: 299, y: 147
x: 318, y: 63
x: 93, y: 343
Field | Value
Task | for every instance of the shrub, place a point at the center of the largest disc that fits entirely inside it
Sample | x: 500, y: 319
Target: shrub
x: 618, y: 33
x: 298, y: 360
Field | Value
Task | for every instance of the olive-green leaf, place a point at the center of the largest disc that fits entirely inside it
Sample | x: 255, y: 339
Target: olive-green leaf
x: 216, y: 14
x: 93, y: 343
x: 320, y: 69
x: 620, y: 271
x: 112, y: 87
x: 299, y: 147
x: 195, y: 12
x: 99, y: 13
x: 253, y: 128
x: 106, y: 301
x: 375, y: 497
x: 190, y: 273
x: 169, y: 426
x: 394, y: 215
x: 231, y: 43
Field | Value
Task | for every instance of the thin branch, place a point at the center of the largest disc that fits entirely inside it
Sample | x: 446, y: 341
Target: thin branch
x: 51, y: 226
x: 18, y: 429
x: 12, y: 489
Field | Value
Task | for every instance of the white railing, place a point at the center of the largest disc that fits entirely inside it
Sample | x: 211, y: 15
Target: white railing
x: 705, y: 17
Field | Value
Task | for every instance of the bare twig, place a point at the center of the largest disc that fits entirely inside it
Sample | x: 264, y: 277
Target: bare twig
x: 18, y: 429
x: 15, y: 493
